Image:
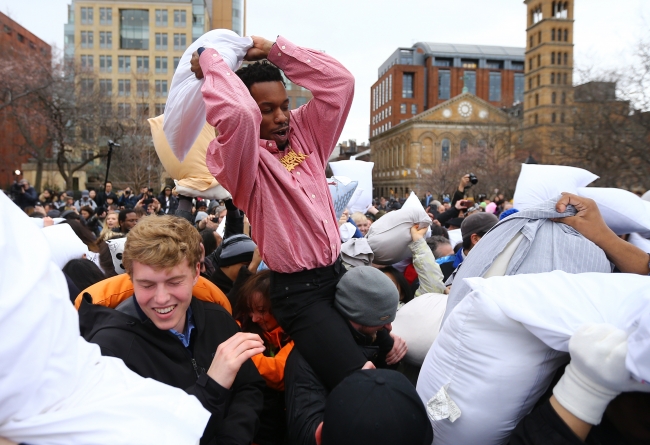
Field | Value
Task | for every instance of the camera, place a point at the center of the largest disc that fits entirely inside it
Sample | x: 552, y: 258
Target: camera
x: 473, y: 179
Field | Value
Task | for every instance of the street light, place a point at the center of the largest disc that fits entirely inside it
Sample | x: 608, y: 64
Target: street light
x: 111, y: 144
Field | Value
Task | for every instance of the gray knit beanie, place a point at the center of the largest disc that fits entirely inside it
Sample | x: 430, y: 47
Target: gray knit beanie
x: 366, y: 296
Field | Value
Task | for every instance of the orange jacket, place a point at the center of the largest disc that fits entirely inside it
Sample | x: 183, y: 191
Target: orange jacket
x: 272, y: 368
x: 112, y: 291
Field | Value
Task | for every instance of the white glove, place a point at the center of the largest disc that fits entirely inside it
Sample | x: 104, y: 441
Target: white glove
x: 597, y: 372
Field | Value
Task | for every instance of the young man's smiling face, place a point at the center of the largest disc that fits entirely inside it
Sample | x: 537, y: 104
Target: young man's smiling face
x: 273, y: 101
x: 165, y: 294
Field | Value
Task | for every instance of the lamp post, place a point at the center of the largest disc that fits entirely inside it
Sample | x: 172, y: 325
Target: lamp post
x: 111, y: 144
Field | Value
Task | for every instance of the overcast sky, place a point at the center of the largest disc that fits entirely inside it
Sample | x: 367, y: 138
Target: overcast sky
x: 363, y: 33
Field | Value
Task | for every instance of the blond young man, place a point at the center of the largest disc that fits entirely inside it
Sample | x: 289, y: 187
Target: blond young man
x: 163, y: 332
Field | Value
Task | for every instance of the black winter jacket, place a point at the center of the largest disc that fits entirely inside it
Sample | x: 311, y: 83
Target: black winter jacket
x: 305, y: 393
x: 157, y: 354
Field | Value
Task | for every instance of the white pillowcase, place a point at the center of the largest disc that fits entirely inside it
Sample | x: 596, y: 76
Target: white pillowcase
x: 539, y: 183
x: 185, y: 109
x: 623, y: 211
x: 497, y: 356
x: 418, y: 323
x: 389, y: 237
x: 361, y: 172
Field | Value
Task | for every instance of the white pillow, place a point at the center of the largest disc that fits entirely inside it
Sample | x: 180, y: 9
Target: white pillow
x: 185, y: 109
x: 539, y: 183
x: 498, y: 356
x: 639, y: 241
x: 418, y: 323
x: 56, y: 388
x: 455, y: 237
x: 64, y: 244
x: 361, y: 172
x: 390, y: 235
x: 623, y: 211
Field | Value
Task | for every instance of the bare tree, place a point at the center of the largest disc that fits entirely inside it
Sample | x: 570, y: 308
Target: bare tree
x: 608, y: 125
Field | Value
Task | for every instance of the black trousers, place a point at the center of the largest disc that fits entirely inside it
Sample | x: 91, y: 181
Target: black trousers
x: 303, y: 304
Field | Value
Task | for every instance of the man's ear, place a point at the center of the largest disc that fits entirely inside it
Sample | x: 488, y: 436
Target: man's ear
x: 475, y: 238
x: 319, y: 433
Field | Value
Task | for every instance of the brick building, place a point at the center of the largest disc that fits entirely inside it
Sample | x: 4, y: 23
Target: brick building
x: 416, y: 79
x: 549, y: 92
x: 16, y: 41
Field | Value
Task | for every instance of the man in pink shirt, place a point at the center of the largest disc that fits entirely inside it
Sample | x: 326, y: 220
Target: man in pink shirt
x: 273, y: 161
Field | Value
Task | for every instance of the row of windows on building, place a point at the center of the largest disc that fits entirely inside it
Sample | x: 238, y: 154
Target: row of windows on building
x: 382, y: 93
x: 382, y: 128
x: 124, y: 110
x: 556, y: 59
x: 87, y: 87
x: 555, y: 118
x: 555, y: 79
x: 559, y: 10
x: 394, y: 157
x: 388, y: 111
x: 469, y: 80
x: 555, y: 98
x: 21, y: 38
x: 87, y: 62
x: 106, y: 41
x: 106, y: 17
x: 557, y: 35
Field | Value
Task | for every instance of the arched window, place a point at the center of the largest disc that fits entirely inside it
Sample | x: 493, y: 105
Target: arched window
x: 566, y: 59
x: 566, y: 35
x: 563, y: 98
x: 446, y: 149
x: 552, y: 58
x: 562, y: 118
x: 552, y: 78
x: 565, y: 79
x: 553, y: 118
x: 463, y: 146
x: 539, y: 37
x: 539, y: 80
x: 553, y: 98
x: 553, y: 34
x: 536, y: 99
x: 536, y: 119
x: 539, y: 60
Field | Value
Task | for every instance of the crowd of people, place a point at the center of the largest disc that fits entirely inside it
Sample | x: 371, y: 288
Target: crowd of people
x: 249, y: 305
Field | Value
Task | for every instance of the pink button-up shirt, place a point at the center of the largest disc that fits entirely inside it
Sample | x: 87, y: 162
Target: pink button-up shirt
x: 291, y: 213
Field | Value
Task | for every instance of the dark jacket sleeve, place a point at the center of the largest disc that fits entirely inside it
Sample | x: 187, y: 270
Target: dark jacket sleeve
x: 234, y: 220
x: 446, y: 216
x: 246, y: 401
x: 305, y: 396
x: 458, y: 195
x: 543, y: 426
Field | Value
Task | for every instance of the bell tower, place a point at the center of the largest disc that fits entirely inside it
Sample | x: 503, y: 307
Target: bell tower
x: 548, y: 76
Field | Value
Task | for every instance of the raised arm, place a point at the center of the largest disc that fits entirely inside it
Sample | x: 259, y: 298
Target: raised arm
x: 588, y: 221
x: 233, y: 156
x: 332, y: 86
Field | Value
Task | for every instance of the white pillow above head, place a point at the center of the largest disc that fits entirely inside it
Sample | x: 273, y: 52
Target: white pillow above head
x: 539, y: 183
x: 390, y: 235
x: 342, y: 190
x: 360, y: 171
x: 623, y: 211
x: 185, y: 109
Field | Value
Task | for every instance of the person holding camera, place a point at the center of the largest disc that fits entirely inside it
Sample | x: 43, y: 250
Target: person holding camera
x: 127, y: 200
x: 25, y: 195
